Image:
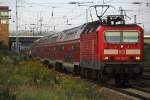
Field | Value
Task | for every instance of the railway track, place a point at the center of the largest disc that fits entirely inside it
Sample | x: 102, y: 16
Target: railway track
x: 146, y: 77
x: 139, y: 90
x: 138, y: 93
x: 144, y: 89
x: 134, y: 92
x: 147, y: 69
x: 146, y: 73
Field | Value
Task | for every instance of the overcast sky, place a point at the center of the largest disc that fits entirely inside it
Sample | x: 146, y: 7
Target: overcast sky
x: 66, y: 15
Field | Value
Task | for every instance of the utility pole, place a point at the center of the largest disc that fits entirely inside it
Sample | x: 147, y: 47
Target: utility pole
x: 103, y: 1
x: 87, y: 15
x: 135, y: 19
x: 82, y: 4
x: 135, y: 16
x: 41, y: 19
x: 17, y: 49
x: 53, y: 11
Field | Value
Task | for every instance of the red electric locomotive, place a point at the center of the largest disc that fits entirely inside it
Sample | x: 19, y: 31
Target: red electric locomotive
x: 98, y: 50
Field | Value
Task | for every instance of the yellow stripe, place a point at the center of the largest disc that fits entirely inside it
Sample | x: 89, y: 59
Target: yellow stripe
x: 133, y: 51
x: 110, y: 51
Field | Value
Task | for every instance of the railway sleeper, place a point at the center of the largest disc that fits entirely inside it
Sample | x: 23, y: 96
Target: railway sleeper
x: 122, y: 80
x: 76, y: 70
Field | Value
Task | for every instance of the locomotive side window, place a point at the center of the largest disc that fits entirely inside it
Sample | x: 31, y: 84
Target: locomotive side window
x: 112, y: 37
x: 130, y: 37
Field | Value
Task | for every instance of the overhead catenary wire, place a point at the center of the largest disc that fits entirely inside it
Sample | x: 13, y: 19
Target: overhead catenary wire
x: 72, y: 12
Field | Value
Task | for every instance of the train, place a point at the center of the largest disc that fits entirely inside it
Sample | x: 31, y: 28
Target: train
x: 99, y: 50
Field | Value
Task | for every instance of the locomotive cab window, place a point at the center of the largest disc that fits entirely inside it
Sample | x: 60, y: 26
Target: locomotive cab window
x: 130, y: 37
x: 121, y: 36
x: 112, y: 37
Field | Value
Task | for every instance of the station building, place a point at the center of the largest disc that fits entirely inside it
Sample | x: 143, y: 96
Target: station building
x: 4, y: 26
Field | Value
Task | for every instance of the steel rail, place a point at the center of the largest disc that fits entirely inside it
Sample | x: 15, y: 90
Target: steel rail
x: 138, y: 96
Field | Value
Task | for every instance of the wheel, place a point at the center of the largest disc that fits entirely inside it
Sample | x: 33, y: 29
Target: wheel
x: 58, y: 67
x: 94, y: 75
x: 50, y: 66
x: 82, y: 73
x: 101, y: 78
x: 117, y: 80
x: 75, y: 71
x: 89, y: 74
x: 86, y: 73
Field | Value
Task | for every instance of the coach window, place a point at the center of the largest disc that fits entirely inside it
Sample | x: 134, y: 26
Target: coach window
x: 62, y: 48
x: 72, y: 47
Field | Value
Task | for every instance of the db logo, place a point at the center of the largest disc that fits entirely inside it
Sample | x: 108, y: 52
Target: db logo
x: 122, y: 52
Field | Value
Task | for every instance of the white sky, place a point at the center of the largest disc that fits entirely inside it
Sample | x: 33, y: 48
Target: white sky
x: 30, y: 12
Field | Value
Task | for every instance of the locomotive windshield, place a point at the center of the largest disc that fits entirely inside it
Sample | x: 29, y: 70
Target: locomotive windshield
x: 112, y: 36
x: 121, y: 36
x: 130, y: 37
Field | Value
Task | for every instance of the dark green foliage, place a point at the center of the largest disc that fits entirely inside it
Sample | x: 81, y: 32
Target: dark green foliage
x: 6, y: 95
x: 147, y: 54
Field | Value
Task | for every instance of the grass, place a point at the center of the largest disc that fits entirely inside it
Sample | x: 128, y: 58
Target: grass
x: 24, y: 79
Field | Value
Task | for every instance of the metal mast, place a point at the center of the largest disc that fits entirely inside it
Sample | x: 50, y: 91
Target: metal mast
x: 17, y: 49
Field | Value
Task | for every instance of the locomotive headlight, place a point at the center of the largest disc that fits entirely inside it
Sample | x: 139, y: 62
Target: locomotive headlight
x: 106, y: 58
x: 137, y: 58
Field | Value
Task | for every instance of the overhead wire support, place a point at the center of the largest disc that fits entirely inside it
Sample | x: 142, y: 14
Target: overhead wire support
x: 79, y: 3
x: 16, y: 44
x: 83, y: 4
x: 100, y: 16
x: 53, y: 11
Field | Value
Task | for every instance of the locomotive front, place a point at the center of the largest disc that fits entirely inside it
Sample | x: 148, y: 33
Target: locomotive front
x: 122, y: 50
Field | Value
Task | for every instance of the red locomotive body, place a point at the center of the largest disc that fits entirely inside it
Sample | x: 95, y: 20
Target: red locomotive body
x: 113, y: 50
x: 95, y: 50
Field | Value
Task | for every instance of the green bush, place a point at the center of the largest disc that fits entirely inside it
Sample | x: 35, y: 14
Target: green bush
x: 76, y: 89
x: 28, y: 79
x: 147, y: 54
x: 37, y: 74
